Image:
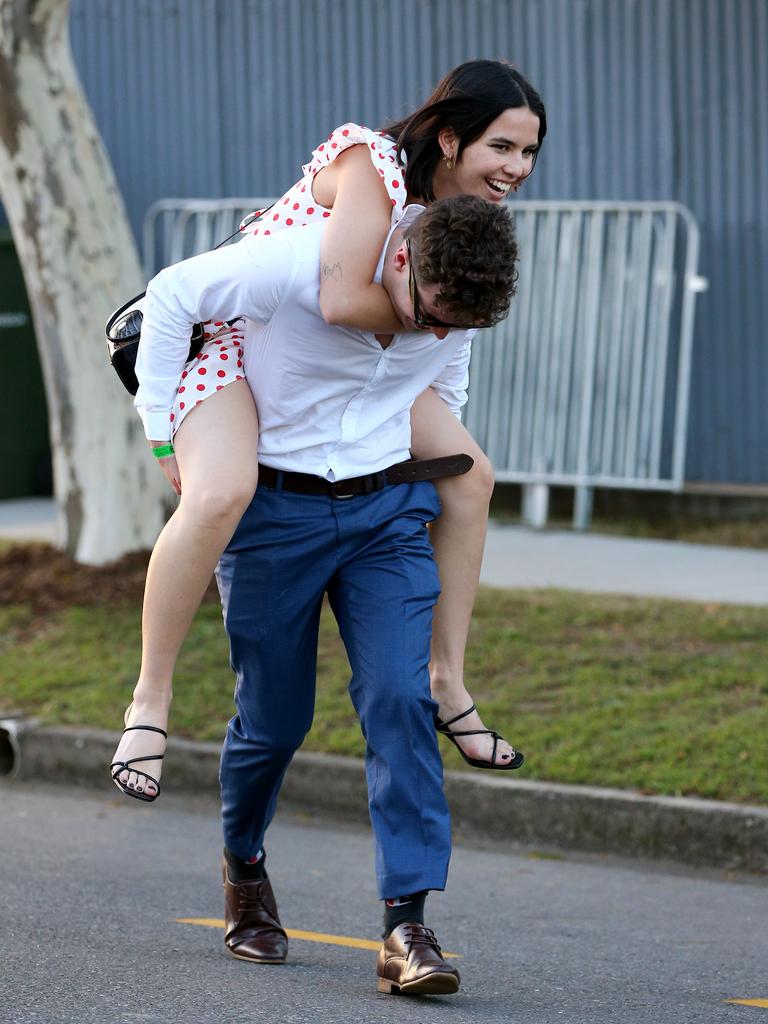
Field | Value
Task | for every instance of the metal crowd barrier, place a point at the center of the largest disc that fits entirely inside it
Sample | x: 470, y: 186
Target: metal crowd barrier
x: 586, y: 382
x: 175, y: 229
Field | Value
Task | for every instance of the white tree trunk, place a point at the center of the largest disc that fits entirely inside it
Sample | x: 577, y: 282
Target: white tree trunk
x: 80, y: 262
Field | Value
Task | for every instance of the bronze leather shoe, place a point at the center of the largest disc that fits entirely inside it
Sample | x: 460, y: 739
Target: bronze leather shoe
x: 410, y: 961
x: 252, y: 928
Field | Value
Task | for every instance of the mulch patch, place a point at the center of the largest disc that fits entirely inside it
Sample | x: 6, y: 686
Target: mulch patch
x: 47, y: 580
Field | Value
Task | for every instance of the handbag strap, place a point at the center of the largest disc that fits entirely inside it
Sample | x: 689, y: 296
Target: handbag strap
x: 244, y: 224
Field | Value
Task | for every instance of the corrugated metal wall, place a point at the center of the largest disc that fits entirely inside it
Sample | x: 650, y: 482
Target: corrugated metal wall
x: 646, y: 99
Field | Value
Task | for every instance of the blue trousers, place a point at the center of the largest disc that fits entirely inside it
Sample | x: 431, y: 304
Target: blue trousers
x: 372, y: 555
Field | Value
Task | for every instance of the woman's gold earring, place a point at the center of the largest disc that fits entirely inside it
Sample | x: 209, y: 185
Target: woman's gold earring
x: 449, y: 163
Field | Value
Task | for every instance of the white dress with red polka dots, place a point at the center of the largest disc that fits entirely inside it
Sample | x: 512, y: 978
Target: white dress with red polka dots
x: 220, y: 361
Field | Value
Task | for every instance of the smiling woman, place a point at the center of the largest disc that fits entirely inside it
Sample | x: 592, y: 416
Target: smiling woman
x: 479, y: 133
x: 501, y: 159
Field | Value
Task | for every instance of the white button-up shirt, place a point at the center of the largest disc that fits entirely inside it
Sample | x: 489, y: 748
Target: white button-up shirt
x: 331, y: 400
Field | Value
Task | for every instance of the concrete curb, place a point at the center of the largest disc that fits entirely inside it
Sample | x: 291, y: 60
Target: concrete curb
x: 689, y: 831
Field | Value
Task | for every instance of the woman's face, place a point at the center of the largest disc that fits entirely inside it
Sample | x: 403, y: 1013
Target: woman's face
x: 499, y: 159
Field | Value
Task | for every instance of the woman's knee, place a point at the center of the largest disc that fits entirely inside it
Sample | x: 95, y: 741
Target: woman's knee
x: 472, y: 489
x: 482, y: 476
x: 219, y: 501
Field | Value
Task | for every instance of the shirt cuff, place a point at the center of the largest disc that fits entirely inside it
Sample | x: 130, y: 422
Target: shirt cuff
x: 157, y: 425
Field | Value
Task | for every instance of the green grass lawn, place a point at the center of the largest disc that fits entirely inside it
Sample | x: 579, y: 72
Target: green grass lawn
x: 661, y: 696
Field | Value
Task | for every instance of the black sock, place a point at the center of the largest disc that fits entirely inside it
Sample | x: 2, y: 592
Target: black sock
x: 244, y: 871
x: 404, y: 908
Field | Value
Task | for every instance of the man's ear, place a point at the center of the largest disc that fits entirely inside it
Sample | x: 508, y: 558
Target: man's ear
x: 400, y: 257
x: 447, y: 141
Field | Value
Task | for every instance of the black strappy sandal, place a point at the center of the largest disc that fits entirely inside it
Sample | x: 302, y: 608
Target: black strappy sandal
x: 121, y: 766
x: 444, y: 727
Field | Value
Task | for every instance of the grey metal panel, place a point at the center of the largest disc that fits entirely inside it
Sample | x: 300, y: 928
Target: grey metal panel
x: 647, y: 100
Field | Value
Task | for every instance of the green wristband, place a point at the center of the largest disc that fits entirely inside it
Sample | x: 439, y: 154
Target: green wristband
x: 164, y: 451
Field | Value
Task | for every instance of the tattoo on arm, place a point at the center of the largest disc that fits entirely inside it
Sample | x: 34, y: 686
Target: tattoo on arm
x: 332, y: 271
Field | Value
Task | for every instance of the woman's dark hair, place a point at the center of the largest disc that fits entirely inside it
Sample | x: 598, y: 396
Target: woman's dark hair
x: 466, y: 100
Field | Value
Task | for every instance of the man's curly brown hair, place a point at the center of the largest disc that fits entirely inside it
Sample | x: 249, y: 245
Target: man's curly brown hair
x: 467, y: 246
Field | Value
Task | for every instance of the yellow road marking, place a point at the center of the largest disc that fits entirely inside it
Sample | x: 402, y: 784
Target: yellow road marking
x: 749, y: 1002
x: 293, y: 933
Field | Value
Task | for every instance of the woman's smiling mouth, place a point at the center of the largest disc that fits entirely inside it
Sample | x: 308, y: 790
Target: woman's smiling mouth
x: 498, y: 186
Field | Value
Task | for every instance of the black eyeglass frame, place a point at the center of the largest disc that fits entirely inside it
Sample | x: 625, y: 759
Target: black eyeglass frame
x: 425, y: 323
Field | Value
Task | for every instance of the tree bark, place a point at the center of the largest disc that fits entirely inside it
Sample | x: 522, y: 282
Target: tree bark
x: 79, y: 260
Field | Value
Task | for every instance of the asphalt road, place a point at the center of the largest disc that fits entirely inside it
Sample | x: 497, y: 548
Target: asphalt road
x: 92, y: 888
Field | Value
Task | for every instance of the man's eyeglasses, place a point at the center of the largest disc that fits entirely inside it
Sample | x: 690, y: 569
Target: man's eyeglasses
x: 421, y: 320
x: 425, y: 321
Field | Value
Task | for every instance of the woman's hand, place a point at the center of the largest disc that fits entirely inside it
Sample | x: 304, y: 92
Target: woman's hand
x: 169, y: 466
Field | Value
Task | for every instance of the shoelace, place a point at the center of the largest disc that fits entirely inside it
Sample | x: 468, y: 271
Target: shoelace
x: 423, y: 936
x: 248, y: 905
x: 251, y: 901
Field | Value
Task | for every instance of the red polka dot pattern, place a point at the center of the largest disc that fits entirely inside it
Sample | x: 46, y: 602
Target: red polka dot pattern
x: 296, y: 208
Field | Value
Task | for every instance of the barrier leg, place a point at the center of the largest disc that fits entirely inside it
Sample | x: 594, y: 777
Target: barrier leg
x: 582, y: 508
x: 535, y: 508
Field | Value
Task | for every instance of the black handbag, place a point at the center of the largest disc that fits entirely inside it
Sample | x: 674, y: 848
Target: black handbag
x: 123, y: 328
x: 124, y: 335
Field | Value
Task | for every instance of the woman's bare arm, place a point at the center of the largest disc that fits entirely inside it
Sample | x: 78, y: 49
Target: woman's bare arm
x: 361, y: 211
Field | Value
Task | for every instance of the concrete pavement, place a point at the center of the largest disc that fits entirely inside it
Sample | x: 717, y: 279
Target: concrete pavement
x: 520, y: 557
x: 25, y: 519
x: 516, y: 556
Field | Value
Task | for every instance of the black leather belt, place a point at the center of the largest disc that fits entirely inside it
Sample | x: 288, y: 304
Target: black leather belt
x: 403, y: 473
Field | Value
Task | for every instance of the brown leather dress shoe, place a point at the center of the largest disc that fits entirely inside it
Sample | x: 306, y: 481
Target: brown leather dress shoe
x: 410, y: 961
x: 252, y: 928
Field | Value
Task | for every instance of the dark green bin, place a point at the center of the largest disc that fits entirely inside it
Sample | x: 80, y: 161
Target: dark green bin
x: 25, y: 457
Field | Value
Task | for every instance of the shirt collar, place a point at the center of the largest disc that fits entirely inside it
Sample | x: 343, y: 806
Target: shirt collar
x: 410, y: 213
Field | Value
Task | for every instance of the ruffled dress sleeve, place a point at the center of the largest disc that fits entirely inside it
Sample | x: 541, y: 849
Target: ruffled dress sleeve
x: 297, y: 207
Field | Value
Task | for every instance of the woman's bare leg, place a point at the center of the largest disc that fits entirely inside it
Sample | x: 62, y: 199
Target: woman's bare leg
x: 216, y: 449
x: 458, y: 539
